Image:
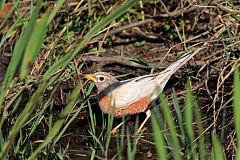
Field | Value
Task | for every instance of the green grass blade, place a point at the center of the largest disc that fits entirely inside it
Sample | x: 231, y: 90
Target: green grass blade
x: 236, y: 104
x: 10, y: 31
x: 63, y: 62
x: 238, y: 154
x: 24, y: 115
x: 132, y: 146
x: 2, y: 2
x: 55, y: 10
x: 10, y: 12
x: 18, y: 52
x: 1, y: 140
x: 74, y: 115
x: 120, y: 140
x: 59, y: 136
x: 13, y: 26
x: 217, y: 148
x: 37, y: 118
x: 129, y: 146
x: 158, y: 138
x: 6, y: 107
x: 178, y: 113
x: 34, y: 44
x: 189, y: 119
x: 108, y: 133
x: 58, y: 124
x: 172, y: 127
x: 198, y: 117
x: 236, y: 111
x: 137, y: 137
x: 98, y: 142
x: 92, y: 122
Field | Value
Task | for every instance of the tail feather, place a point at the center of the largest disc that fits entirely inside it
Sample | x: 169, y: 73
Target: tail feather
x: 165, y: 75
x: 179, y: 63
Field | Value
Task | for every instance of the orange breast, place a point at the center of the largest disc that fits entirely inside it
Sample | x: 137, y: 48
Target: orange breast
x: 137, y: 107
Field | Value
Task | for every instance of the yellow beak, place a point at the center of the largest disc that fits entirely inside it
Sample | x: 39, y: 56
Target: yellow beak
x: 90, y: 77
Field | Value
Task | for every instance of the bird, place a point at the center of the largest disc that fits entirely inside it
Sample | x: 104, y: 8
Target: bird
x: 135, y: 95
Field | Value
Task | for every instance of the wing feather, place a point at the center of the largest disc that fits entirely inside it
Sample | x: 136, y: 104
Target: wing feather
x: 132, y: 91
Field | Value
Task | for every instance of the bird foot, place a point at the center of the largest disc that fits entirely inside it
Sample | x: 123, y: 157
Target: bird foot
x: 114, y: 131
x: 139, y: 130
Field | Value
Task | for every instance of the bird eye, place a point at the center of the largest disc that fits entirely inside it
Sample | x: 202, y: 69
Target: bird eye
x: 101, y: 79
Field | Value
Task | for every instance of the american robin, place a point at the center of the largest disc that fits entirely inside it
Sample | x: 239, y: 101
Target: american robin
x: 132, y: 96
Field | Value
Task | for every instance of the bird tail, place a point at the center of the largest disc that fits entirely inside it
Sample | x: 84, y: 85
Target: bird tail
x: 165, y: 75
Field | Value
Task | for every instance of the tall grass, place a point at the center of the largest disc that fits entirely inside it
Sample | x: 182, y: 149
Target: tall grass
x: 236, y: 111
x: 26, y: 49
x: 196, y: 145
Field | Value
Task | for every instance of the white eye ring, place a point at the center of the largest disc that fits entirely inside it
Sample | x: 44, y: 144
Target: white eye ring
x: 101, y: 78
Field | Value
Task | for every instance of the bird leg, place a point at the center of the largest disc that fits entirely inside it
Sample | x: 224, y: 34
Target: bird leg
x: 114, y: 130
x: 148, y: 115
